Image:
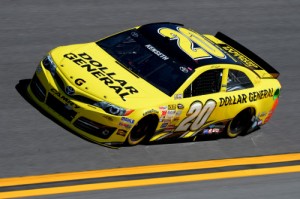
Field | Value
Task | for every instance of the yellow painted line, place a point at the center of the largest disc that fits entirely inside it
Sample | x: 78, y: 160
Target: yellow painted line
x: 151, y: 181
x: 14, y: 181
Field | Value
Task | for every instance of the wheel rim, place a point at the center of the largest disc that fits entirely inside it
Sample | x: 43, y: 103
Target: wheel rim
x: 139, y: 132
x: 143, y: 130
x: 240, y: 123
x: 237, y: 126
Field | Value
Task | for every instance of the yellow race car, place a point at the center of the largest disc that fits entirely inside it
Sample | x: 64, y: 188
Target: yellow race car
x: 156, y: 82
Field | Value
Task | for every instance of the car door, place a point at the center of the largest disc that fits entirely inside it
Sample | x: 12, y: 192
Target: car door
x: 201, y: 101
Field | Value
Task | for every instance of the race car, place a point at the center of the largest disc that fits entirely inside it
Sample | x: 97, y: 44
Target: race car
x: 156, y: 82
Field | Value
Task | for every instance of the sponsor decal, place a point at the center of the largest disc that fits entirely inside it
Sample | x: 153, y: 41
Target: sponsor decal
x: 164, y: 125
x: 212, y: 131
x: 164, y: 119
x: 206, y: 131
x: 134, y: 34
x: 262, y: 114
x: 128, y: 120
x: 79, y: 81
x: 63, y: 98
x: 176, y: 119
x: 171, y: 113
x: 236, y: 54
x: 108, y: 117
x: 157, y: 52
x: 230, y: 100
x: 121, y: 132
x: 180, y: 106
x: 178, y: 96
x: 216, y: 130
x: 102, y: 73
x: 243, y: 98
x: 220, y: 126
x: 167, y: 120
x: 164, y: 110
x: 170, y: 127
x: 178, y: 113
x: 177, y: 116
x: 163, y: 107
x: 254, y: 96
x: 172, y: 107
x: 183, y: 69
x: 125, y: 125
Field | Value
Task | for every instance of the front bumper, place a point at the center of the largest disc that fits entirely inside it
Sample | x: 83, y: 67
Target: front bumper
x: 89, y: 121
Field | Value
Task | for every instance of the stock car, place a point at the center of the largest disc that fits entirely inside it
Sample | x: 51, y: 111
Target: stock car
x: 156, y: 82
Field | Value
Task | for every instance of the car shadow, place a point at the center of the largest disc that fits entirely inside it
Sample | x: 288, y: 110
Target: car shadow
x: 21, y: 87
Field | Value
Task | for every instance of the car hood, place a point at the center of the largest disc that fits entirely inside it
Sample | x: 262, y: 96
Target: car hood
x: 93, y: 72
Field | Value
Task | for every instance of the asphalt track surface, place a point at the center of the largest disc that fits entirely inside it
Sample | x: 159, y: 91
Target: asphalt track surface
x: 32, y: 144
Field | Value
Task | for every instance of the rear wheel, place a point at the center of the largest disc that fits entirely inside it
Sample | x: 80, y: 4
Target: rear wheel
x: 240, y: 123
x: 143, y: 130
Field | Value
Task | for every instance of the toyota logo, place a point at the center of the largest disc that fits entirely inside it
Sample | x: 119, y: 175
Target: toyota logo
x: 70, y: 90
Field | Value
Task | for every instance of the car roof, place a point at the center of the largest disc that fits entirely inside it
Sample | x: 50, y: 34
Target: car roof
x: 171, y: 48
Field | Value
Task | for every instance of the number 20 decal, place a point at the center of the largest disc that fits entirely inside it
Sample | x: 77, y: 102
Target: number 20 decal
x: 197, y: 115
x: 186, y: 39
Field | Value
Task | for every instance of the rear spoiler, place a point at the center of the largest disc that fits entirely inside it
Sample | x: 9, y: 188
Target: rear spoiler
x: 263, y: 64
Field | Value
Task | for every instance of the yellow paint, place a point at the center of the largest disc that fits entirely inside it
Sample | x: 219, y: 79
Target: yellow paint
x: 147, y: 169
x: 151, y: 181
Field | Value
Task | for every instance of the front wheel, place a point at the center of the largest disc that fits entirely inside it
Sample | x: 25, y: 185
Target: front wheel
x: 240, y: 123
x: 142, y: 131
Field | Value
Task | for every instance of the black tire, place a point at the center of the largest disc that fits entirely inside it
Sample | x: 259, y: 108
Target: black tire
x: 142, y: 131
x: 240, y: 123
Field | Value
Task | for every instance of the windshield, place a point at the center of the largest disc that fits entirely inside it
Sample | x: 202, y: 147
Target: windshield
x: 148, y: 61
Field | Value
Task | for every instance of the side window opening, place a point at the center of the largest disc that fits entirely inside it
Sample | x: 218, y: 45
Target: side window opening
x: 206, y: 83
x: 237, y: 80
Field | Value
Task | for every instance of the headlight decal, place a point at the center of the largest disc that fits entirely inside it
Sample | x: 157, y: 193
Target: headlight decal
x: 49, y: 64
x: 112, y: 109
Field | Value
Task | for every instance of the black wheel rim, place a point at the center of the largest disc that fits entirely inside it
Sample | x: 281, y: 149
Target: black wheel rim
x: 236, y: 126
x: 139, y: 131
x: 240, y: 123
